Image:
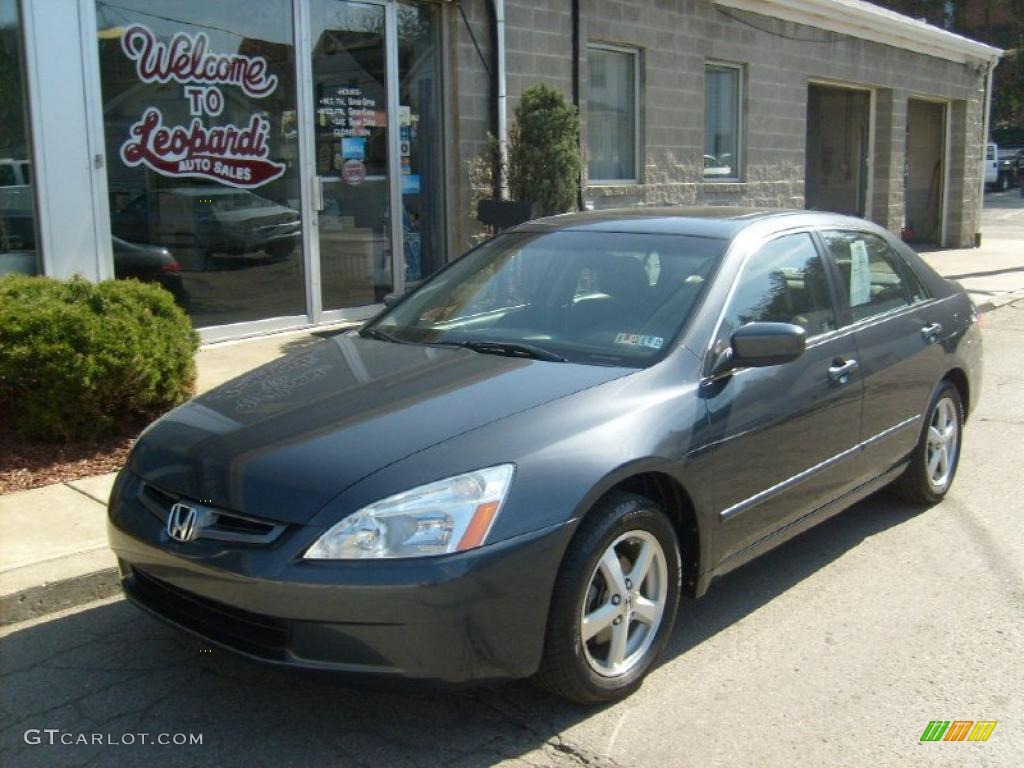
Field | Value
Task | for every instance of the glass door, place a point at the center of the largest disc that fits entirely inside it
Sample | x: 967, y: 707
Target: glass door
x: 351, y: 152
x: 376, y: 148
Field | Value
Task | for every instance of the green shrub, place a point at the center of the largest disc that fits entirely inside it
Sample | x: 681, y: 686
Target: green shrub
x: 78, y: 360
x: 544, y: 151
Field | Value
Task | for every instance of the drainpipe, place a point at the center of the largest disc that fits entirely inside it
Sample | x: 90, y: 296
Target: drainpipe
x: 576, y: 89
x: 989, y: 67
x: 502, y: 96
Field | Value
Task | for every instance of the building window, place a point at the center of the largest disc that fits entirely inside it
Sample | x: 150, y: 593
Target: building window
x: 17, y: 209
x: 612, y: 114
x: 722, y: 107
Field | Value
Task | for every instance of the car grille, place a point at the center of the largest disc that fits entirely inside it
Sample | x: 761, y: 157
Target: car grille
x: 251, y: 633
x: 223, y: 526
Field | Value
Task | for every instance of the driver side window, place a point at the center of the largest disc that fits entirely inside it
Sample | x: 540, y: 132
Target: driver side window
x: 784, y: 282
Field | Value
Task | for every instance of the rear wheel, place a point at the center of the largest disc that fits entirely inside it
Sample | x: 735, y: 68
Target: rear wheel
x: 614, y: 601
x: 934, y: 462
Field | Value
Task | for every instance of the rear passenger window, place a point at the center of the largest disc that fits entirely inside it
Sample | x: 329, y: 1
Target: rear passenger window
x: 784, y: 282
x: 875, y: 278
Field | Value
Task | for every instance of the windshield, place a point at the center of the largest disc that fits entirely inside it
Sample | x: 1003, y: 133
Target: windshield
x: 601, y: 298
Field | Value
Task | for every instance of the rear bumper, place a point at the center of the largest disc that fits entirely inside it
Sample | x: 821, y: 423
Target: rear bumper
x: 474, y: 616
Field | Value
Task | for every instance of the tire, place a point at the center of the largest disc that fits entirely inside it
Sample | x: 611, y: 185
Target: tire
x: 923, y: 482
x: 588, y: 672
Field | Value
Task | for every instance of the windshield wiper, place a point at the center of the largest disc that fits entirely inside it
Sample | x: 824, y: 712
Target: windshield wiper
x: 510, y: 349
x: 379, y: 335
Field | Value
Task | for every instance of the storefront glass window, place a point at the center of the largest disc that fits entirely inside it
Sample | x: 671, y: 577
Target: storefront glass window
x: 17, y: 207
x: 200, y: 120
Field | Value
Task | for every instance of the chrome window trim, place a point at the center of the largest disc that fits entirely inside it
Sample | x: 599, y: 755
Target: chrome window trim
x: 735, y: 509
x: 868, y: 322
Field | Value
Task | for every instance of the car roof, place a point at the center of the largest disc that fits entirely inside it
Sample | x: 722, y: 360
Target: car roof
x: 711, y: 221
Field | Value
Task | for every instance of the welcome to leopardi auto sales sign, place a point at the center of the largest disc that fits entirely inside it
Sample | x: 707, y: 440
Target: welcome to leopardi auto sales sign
x: 236, y: 155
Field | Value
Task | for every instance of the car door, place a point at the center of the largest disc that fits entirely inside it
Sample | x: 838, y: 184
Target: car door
x: 782, y: 437
x: 898, y: 332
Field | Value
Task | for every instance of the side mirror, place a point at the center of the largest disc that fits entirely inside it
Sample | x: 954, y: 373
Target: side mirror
x: 759, y: 345
x: 394, y: 297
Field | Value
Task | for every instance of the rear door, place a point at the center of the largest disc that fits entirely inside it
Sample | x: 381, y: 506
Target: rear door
x: 897, y: 329
x: 783, y: 438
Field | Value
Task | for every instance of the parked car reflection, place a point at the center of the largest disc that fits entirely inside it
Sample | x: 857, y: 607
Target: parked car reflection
x: 150, y: 264
x: 210, y: 227
x: 147, y: 263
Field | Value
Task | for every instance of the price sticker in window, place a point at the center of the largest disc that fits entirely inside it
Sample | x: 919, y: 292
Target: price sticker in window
x: 860, y: 274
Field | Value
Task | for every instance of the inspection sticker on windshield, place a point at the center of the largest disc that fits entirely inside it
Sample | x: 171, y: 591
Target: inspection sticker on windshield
x: 636, y: 340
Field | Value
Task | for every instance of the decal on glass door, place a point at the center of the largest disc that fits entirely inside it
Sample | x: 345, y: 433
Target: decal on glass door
x: 232, y: 154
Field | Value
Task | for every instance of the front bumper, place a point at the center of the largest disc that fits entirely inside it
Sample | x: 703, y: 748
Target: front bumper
x: 472, y: 616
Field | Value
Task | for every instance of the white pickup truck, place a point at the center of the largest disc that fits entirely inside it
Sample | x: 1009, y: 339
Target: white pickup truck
x: 991, y: 165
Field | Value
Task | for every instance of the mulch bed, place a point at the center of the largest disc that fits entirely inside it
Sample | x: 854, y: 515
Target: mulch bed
x: 25, y: 464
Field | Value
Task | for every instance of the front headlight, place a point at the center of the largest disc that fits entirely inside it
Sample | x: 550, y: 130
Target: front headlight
x: 449, y: 515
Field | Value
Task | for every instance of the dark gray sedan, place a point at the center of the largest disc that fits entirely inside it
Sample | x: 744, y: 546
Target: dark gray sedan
x: 516, y: 469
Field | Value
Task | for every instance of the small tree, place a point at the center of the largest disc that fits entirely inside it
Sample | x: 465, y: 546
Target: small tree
x: 544, y: 151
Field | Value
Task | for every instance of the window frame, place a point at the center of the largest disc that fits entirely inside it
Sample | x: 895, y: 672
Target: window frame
x: 637, y: 132
x: 839, y: 308
x: 741, y: 117
x: 908, y: 278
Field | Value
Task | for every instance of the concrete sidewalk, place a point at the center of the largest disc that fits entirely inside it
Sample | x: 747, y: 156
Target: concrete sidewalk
x: 994, y: 273
x: 53, y: 551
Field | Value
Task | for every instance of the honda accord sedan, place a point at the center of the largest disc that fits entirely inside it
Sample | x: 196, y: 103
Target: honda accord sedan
x: 518, y: 468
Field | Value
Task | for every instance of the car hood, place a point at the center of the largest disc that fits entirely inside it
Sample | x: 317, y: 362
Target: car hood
x: 284, y: 439
x: 249, y: 216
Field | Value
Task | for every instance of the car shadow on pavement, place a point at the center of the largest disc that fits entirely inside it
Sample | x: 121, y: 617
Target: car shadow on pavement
x: 112, y: 670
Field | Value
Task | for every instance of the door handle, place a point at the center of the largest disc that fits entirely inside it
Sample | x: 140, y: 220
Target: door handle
x: 840, y: 370
x: 930, y: 333
x: 318, y: 194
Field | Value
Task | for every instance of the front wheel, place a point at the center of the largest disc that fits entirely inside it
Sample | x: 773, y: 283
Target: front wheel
x: 933, y: 464
x: 614, y: 601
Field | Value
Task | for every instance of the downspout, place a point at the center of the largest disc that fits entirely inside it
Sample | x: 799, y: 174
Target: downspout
x: 502, y: 96
x: 576, y: 90
x: 990, y: 67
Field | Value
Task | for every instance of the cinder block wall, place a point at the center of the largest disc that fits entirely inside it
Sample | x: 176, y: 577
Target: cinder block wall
x: 676, y: 38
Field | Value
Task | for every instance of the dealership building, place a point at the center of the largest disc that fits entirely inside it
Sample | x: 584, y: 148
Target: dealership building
x: 286, y: 163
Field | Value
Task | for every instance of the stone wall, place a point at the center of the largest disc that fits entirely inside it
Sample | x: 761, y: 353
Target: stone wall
x: 675, y: 38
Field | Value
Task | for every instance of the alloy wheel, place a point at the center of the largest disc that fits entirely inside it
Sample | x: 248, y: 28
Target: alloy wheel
x: 624, y: 603
x: 942, y: 445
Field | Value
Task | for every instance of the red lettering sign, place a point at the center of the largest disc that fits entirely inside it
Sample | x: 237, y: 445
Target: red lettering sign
x: 228, y: 154
x: 188, y: 59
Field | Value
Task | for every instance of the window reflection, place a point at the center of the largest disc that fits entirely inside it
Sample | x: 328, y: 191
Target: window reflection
x: 200, y: 122
x: 17, y: 206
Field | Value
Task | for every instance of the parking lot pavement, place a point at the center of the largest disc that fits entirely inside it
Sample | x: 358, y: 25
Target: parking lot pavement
x: 836, y: 649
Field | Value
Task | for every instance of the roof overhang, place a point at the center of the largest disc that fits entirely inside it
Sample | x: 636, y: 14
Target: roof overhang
x: 870, y: 22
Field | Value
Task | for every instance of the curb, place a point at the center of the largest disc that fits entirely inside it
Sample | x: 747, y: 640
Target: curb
x: 56, y: 596
x: 1000, y: 301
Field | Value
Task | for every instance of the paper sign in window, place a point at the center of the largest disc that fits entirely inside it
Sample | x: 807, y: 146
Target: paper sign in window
x: 860, y: 275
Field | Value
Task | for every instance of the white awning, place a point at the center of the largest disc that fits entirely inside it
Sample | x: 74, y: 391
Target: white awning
x: 870, y: 22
